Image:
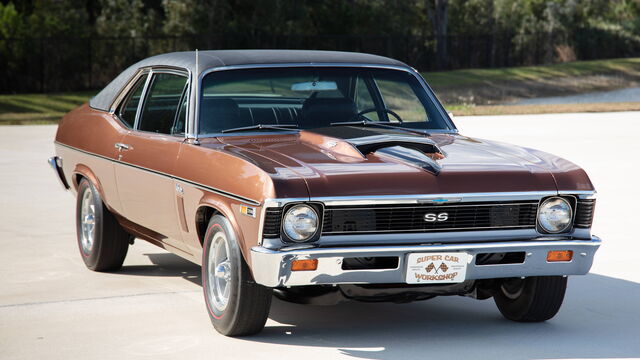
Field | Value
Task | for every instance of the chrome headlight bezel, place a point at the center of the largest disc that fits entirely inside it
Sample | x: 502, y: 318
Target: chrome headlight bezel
x: 290, y: 234
x: 544, y: 224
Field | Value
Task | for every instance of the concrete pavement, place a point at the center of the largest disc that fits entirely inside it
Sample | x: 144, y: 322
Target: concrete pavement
x: 52, y: 307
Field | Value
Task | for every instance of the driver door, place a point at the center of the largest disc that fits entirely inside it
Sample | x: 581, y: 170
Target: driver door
x: 147, y: 158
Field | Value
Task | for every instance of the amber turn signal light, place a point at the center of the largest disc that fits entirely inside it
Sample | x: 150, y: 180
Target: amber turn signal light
x: 304, y: 265
x: 559, y: 255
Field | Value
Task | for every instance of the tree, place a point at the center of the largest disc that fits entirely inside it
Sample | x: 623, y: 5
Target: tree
x: 438, y: 13
x: 11, y: 22
x: 126, y: 18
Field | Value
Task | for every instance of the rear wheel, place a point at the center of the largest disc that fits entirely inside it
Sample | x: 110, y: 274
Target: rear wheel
x: 532, y: 299
x: 102, y: 242
x: 236, y: 304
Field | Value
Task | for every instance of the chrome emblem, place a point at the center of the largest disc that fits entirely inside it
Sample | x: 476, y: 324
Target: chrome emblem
x: 433, y: 217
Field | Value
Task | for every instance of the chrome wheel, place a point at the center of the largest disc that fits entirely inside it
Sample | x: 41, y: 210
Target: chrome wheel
x: 219, y: 271
x: 87, y: 221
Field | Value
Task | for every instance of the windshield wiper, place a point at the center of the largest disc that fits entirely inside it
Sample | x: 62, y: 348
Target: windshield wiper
x: 379, y: 124
x: 285, y: 127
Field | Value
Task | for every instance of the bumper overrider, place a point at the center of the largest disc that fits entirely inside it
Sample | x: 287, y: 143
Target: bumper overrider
x: 272, y: 268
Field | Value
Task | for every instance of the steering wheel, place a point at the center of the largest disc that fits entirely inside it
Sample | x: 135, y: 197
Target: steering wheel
x: 366, y: 111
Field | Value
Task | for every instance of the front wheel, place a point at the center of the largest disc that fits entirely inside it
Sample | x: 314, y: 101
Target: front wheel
x: 532, y: 299
x: 236, y: 304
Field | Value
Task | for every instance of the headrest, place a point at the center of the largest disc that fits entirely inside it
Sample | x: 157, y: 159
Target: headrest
x: 320, y: 112
x: 217, y: 114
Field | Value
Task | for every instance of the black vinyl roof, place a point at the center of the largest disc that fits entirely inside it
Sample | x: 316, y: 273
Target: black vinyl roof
x: 219, y: 58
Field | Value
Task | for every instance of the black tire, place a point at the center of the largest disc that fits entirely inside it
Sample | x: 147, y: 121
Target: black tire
x: 110, y: 242
x: 247, y: 304
x: 533, y: 299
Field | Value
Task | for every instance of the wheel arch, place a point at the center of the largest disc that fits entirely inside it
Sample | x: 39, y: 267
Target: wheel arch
x: 206, y: 210
x: 84, y: 172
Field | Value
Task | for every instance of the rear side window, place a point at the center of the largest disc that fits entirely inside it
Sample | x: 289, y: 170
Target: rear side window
x: 160, y: 110
x: 129, y: 107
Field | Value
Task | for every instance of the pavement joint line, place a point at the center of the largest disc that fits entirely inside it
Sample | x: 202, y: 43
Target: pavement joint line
x: 98, y: 298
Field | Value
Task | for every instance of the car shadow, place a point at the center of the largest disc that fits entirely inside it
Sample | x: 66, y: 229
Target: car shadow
x: 166, y: 264
x: 600, y: 318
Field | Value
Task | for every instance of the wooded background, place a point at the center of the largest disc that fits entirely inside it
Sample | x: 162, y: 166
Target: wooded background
x: 55, y: 45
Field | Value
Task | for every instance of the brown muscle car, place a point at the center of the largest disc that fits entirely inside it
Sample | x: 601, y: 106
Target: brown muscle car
x: 318, y: 177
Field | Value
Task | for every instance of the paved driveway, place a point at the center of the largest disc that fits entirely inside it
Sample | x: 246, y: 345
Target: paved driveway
x: 51, y: 307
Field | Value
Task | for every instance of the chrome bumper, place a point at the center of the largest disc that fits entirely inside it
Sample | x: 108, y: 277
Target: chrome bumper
x: 273, y: 268
x: 56, y: 164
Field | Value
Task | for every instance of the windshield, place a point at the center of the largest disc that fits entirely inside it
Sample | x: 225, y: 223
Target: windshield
x: 315, y: 97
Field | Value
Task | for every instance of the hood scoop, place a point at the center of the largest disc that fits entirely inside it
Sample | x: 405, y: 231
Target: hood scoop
x: 371, y: 144
x: 413, y: 156
x: 416, y: 151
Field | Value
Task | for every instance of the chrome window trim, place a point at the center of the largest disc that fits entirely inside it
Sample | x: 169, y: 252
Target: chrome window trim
x: 149, y: 71
x: 143, y: 99
x: 152, y: 72
x: 122, y: 96
x: 125, y: 89
x: 421, y: 80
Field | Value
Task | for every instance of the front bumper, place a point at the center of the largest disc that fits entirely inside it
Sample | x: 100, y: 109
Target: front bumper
x: 273, y: 268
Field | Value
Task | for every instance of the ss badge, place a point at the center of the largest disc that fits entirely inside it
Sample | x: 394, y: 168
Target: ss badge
x: 433, y: 217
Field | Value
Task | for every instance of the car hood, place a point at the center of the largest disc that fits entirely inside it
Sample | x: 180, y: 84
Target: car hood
x: 356, y: 161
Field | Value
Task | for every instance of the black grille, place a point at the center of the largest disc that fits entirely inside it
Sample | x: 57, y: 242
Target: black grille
x: 584, y: 213
x: 411, y: 218
x: 273, y: 217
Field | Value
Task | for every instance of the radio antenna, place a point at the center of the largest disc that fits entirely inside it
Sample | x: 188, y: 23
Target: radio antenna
x: 196, y: 98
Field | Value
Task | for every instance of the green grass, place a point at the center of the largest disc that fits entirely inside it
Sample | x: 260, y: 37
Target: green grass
x: 457, y: 78
x: 49, y: 108
x: 39, y: 108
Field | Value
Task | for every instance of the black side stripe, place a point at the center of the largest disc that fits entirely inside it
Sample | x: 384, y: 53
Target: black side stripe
x: 192, y: 183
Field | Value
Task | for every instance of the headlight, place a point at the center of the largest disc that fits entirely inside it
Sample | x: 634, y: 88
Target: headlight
x: 554, y: 215
x: 300, y: 222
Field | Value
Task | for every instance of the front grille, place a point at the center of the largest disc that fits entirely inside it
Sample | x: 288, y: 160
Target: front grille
x: 584, y: 213
x: 411, y: 218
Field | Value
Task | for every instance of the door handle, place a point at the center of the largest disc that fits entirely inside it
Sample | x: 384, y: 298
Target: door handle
x: 121, y: 146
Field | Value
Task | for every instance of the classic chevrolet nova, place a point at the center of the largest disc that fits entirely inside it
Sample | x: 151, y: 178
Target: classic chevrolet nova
x: 318, y: 177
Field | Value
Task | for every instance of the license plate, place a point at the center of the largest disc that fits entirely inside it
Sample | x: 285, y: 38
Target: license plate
x: 436, y: 268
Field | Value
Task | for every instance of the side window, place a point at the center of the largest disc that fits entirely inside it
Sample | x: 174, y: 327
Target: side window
x: 129, y: 107
x: 163, y: 100
x: 400, y: 97
x: 364, y: 101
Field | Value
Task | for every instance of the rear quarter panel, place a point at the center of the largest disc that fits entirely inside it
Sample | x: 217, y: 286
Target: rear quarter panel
x: 85, y: 141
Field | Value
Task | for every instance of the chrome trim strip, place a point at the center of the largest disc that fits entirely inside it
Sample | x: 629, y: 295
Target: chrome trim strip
x: 580, y: 194
x: 440, y: 205
x: 443, y: 237
x: 421, y: 198
x: 56, y: 164
x: 419, y: 78
x: 430, y: 231
x: 272, y: 268
x: 189, y: 182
